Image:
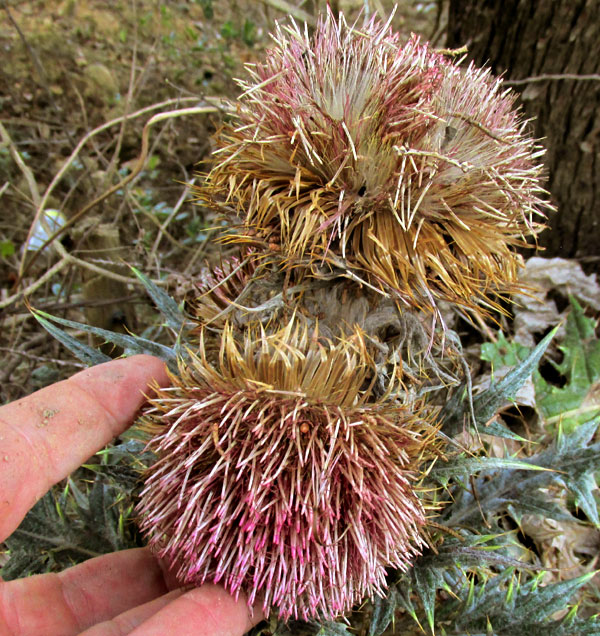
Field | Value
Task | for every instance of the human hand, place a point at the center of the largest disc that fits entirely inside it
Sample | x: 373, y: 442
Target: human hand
x: 43, y: 438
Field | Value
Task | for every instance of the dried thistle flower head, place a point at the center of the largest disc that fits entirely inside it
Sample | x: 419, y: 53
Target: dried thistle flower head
x: 351, y: 148
x: 276, y: 474
x: 251, y: 289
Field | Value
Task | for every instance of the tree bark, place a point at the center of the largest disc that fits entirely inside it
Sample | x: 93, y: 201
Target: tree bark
x: 532, y: 38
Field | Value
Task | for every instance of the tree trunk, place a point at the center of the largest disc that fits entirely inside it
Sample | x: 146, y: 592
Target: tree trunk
x: 532, y: 38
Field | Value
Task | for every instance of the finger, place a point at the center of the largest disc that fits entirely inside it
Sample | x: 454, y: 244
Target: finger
x: 81, y: 596
x: 48, y: 434
x: 204, y: 611
x: 125, y: 623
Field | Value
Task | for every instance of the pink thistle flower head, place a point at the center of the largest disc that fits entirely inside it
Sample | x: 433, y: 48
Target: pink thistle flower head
x: 278, y: 475
x: 351, y: 148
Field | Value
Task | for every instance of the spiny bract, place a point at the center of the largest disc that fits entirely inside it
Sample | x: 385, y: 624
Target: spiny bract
x: 352, y: 148
x: 277, y: 474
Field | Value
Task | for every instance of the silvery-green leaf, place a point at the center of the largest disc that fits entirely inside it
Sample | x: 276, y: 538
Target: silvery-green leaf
x: 88, y: 355
x: 383, y: 612
x: 464, y: 466
x: 485, y: 405
x: 130, y: 344
x: 173, y: 315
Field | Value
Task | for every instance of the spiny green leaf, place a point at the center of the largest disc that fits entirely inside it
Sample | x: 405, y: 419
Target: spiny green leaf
x: 483, y: 600
x: 72, y: 489
x: 71, y: 524
x: 576, y: 462
x: 472, y: 550
x: 131, y: 344
x: 404, y: 601
x: 570, y: 462
x: 383, y: 612
x: 540, y: 603
x: 464, y: 466
x: 578, y: 627
x: 583, y: 488
x: 498, y: 429
x: 330, y: 628
x: 435, y: 572
x: 47, y: 530
x: 575, y: 402
x: 504, y: 606
x: 486, y: 404
x: 579, y: 438
x: 174, y: 317
x: 472, y: 557
x: 82, y: 351
x: 533, y: 504
x: 426, y: 581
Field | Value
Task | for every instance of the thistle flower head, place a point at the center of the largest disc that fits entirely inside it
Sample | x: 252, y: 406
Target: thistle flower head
x: 253, y: 291
x: 222, y: 288
x: 278, y: 474
x: 417, y: 174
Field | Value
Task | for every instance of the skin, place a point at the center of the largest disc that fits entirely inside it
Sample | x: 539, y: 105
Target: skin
x: 44, y: 437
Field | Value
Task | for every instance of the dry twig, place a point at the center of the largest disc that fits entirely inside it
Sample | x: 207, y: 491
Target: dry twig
x: 40, y: 201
